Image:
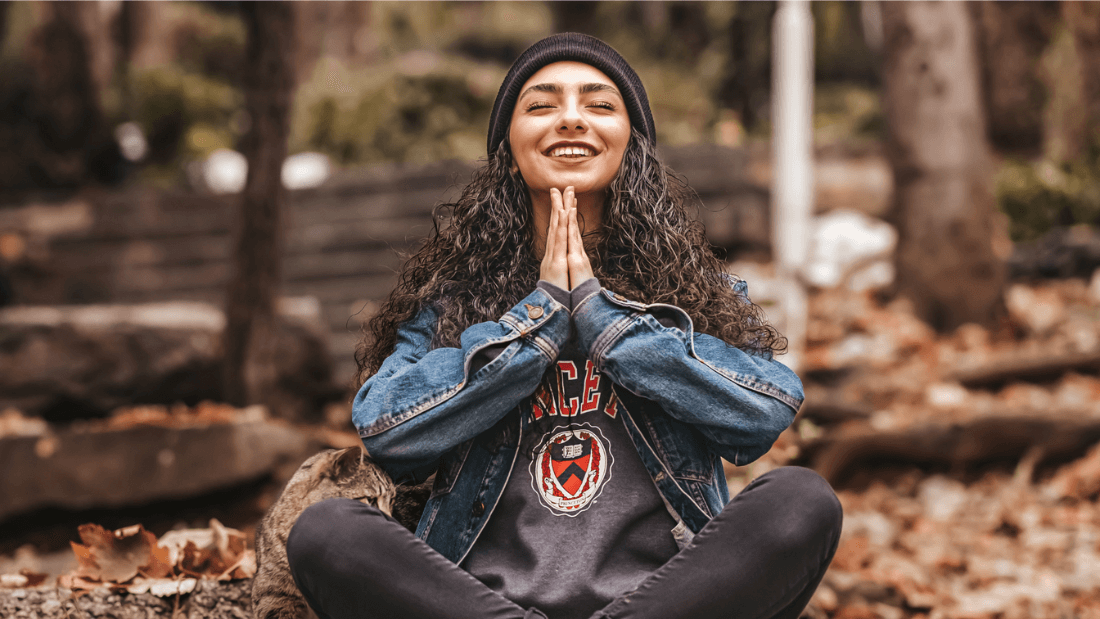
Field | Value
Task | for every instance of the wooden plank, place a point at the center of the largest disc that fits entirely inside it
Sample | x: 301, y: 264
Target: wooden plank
x: 306, y: 267
x: 400, y: 232
x: 1003, y: 371
x: 366, y: 206
x: 344, y: 289
x: 962, y: 446
x: 171, y: 280
x: 159, y: 225
x: 96, y: 253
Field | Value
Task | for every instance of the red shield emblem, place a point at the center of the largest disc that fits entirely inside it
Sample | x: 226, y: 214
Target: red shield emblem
x: 571, y: 468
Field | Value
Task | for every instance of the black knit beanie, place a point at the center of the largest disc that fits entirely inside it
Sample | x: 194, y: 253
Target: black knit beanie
x: 580, y: 48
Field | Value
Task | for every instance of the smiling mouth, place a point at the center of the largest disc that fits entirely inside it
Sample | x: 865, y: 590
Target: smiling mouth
x: 572, y: 152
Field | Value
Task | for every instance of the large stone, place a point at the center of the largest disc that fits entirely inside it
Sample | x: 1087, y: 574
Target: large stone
x: 70, y: 362
x: 99, y: 465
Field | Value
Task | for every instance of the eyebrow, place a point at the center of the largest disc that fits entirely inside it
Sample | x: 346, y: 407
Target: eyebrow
x: 557, y: 89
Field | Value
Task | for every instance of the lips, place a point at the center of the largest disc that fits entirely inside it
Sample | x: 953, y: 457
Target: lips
x: 571, y: 151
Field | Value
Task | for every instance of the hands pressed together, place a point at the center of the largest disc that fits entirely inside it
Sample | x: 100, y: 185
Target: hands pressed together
x: 565, y: 263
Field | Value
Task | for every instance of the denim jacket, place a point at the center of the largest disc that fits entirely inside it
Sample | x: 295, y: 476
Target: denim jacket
x: 688, y: 399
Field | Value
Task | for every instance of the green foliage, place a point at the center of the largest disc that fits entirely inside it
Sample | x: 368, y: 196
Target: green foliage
x: 210, y: 43
x: 184, y: 113
x: 427, y: 92
x: 1039, y: 196
x: 840, y: 52
x: 421, y: 107
x: 847, y: 111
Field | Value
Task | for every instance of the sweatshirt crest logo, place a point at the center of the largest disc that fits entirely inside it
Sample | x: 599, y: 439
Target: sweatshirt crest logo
x: 571, y: 468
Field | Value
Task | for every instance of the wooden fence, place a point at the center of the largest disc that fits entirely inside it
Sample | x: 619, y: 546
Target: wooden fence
x: 343, y: 244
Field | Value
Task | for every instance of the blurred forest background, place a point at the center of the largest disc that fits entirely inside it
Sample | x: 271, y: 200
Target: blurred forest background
x: 200, y: 203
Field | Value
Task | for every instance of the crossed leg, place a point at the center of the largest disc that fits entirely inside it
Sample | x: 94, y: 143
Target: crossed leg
x: 761, y: 557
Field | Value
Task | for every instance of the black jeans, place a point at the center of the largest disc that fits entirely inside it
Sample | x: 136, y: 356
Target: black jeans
x: 762, y: 557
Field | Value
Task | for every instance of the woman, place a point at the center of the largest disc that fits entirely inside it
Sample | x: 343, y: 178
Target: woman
x: 569, y: 360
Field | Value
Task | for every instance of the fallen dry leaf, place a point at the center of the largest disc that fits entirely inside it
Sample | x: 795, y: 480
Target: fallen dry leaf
x: 245, y: 567
x: 175, y: 541
x: 162, y: 587
x: 25, y: 578
x: 218, y: 552
x: 115, y: 556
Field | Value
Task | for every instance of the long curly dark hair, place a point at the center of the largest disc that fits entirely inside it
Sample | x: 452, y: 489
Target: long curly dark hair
x: 480, y: 263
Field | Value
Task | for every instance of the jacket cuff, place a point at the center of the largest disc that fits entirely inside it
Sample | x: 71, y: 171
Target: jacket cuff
x: 559, y: 295
x: 541, y: 318
x: 598, y: 320
x: 601, y: 319
x: 584, y: 290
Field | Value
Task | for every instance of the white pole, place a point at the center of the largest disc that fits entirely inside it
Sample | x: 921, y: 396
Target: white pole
x: 792, y: 149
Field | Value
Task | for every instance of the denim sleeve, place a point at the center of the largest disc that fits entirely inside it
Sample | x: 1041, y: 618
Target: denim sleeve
x: 424, y: 402
x: 739, y: 401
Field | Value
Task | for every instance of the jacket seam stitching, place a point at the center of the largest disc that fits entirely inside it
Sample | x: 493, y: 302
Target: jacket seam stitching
x: 663, y: 454
x: 416, y: 410
x: 763, y: 389
x: 609, y: 336
x: 664, y: 466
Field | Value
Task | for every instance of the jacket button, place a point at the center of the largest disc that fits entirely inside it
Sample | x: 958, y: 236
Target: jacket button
x: 534, y: 312
x: 479, y: 509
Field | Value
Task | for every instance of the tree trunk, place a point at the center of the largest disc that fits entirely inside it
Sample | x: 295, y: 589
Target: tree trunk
x: 950, y: 250
x: 1073, y: 77
x: 250, y: 355
x: 1085, y: 19
x: 64, y: 106
x: 1012, y: 35
x: 745, y: 86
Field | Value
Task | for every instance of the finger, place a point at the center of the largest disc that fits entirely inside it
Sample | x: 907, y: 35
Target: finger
x: 562, y: 228
x: 555, y: 267
x: 577, y: 259
x: 555, y: 221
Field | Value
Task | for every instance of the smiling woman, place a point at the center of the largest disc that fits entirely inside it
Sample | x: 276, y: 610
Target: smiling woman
x: 570, y: 361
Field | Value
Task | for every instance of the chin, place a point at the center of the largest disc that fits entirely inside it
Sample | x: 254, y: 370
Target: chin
x: 579, y: 185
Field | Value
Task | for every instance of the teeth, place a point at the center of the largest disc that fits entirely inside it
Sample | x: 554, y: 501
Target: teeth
x: 572, y: 151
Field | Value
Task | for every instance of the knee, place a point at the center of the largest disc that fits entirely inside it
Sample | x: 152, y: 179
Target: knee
x: 306, y: 541
x: 808, y: 507
x: 311, y: 538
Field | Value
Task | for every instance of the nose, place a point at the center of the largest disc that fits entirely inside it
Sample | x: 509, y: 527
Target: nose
x: 572, y: 118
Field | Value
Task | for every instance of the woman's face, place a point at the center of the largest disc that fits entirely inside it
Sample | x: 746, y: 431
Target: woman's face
x: 570, y: 127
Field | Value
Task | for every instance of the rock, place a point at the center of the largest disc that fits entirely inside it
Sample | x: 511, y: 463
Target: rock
x: 224, y: 171
x: 1062, y: 252
x: 80, y: 467
x: 1039, y: 309
x: 942, y: 497
x: 306, y: 170
x: 69, y: 362
x: 945, y: 395
x: 874, y: 526
x: 848, y: 247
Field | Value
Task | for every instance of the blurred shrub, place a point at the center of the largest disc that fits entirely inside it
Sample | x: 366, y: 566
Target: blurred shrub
x: 420, y: 107
x: 1039, y: 196
x: 846, y: 111
x: 210, y: 42
x: 184, y: 114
